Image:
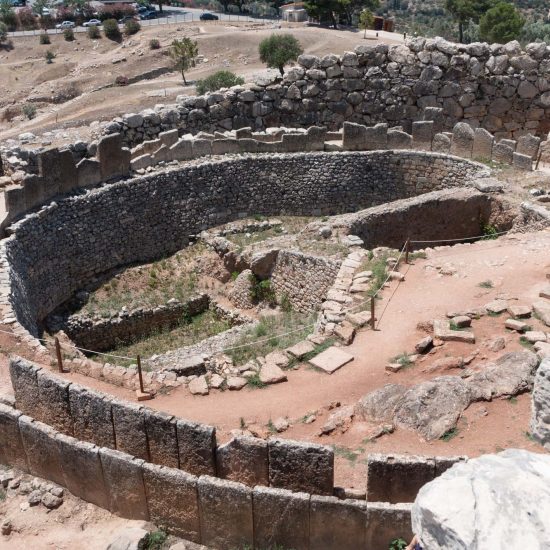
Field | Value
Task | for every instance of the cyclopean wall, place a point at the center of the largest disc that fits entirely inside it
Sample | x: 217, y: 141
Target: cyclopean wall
x: 497, y: 87
x: 55, y: 251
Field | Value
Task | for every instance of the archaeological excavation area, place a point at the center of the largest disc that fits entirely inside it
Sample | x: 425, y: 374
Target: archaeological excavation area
x: 281, y: 316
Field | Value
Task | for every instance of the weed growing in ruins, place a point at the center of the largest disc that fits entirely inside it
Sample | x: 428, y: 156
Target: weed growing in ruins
x: 526, y: 344
x: 318, y: 349
x: 397, y: 544
x: 345, y: 452
x: 449, y: 434
x: 530, y: 437
x: 255, y: 382
x: 49, y: 56
x: 271, y: 427
x: 513, y: 400
x: 285, y: 303
x: 262, y: 291
x: 403, y: 359
x: 2, y: 494
x: 155, y: 540
x: 242, y: 423
x: 489, y: 231
x: 486, y: 284
x: 29, y: 110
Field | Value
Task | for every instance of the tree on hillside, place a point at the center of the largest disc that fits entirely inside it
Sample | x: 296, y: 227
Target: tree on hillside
x: 3, y: 32
x: 278, y: 49
x: 501, y: 23
x: 183, y: 52
x: 324, y: 10
x: 366, y: 20
x: 464, y: 11
x: 348, y: 8
x: 8, y: 15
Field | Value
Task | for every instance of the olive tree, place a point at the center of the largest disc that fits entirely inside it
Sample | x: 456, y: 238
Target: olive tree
x: 183, y: 52
x: 278, y: 49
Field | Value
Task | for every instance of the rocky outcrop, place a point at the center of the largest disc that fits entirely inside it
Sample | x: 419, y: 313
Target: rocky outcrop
x: 540, y: 417
x: 381, y: 404
x: 495, y: 501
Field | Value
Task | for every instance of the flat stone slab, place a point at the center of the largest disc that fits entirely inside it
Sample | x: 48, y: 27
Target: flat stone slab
x: 331, y: 359
x: 272, y: 374
x: 519, y: 311
x: 533, y: 336
x: 542, y: 309
x: 300, y: 349
x: 444, y: 333
x: 545, y: 292
x: 359, y: 319
x: 513, y: 324
x: 236, y: 382
x: 496, y: 306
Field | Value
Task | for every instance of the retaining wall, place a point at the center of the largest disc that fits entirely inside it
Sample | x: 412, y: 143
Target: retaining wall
x: 55, y: 251
x: 218, y: 513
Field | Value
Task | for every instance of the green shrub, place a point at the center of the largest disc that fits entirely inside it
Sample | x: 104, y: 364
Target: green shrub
x: 262, y: 291
x: 93, y: 32
x: 44, y: 38
x: 68, y: 35
x: 50, y: 56
x: 111, y: 30
x: 221, y: 79
x: 154, y: 44
x: 3, y: 32
x: 122, y: 80
x: 29, y: 110
x: 155, y: 540
x: 131, y: 27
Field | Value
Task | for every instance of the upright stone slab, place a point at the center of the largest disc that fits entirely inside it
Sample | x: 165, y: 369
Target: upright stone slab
x: 169, y: 138
x: 354, y: 137
x: 435, y: 114
x: 316, y: 138
x: 130, y: 432
x: 441, y: 143
x: 172, y: 499
x: 293, y: 143
x: 201, y: 147
x: 281, y: 518
x: 336, y: 524
x: 182, y: 150
x: 162, y: 438
x: 24, y: 379
x: 397, y: 478
x: 88, y: 173
x: 503, y: 152
x: 422, y: 132
x: 387, y: 522
x: 123, y: 476
x: 483, y: 145
x: 12, y: 452
x: 301, y: 466
x: 376, y: 137
x: 197, y: 447
x: 82, y: 470
x: 113, y: 158
x: 41, y: 449
x: 33, y: 187
x: 528, y: 145
x: 92, y: 415
x: 58, y: 170
x: 53, y: 397
x: 225, y: 513
x: 540, y: 405
x: 66, y: 171
x: 399, y: 140
x: 522, y: 162
x: 463, y: 140
x: 14, y: 201
x: 244, y: 459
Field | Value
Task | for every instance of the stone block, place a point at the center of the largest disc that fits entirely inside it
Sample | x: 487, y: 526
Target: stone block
x: 33, y: 187
x: 123, y: 476
x: 503, y: 153
x: 92, y: 416
x: 169, y: 138
x: 354, y: 137
x: 14, y: 200
x: 331, y: 359
x: 243, y: 133
x: 281, y: 518
x: 443, y: 463
x: 301, y: 349
x: 399, y: 140
x: 58, y: 170
x: 301, y: 466
x: 225, y: 146
x: 182, y: 150
x: 88, y: 173
x: 114, y: 159
x: 53, y: 397
x: 463, y: 140
x: 248, y: 145
x: 441, y: 143
x: 225, y: 513
x: 24, y: 380
x: 387, y: 522
x: 522, y: 162
x: 483, y: 145
x: 82, y: 470
x: 39, y: 441
x: 162, y: 154
x: 397, y: 478
x: 162, y: 438
x: 12, y: 452
x: 197, y: 447
x: 422, y: 133
x: 130, y: 432
x: 436, y: 115
x: 316, y: 138
x: 528, y: 145
x: 336, y: 524
x: 201, y: 148
x: 244, y: 459
x: 292, y: 143
x: 141, y: 162
x: 172, y: 500
x: 376, y: 137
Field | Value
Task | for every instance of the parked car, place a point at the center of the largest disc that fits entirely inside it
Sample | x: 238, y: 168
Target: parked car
x: 209, y: 17
x: 17, y: 3
x: 148, y: 15
x: 65, y: 25
x: 126, y: 18
x: 92, y: 23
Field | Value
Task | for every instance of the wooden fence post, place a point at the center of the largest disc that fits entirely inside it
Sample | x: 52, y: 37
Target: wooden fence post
x: 372, y: 318
x: 58, y: 353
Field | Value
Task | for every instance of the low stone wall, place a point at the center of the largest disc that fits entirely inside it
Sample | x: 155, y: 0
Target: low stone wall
x: 398, y: 478
x: 123, y: 328
x: 303, y: 279
x: 220, y: 514
x: 166, y: 440
x: 146, y: 217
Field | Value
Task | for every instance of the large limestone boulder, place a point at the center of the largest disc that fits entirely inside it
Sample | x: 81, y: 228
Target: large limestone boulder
x: 380, y: 405
x: 433, y: 407
x: 511, y: 374
x: 495, y: 501
x: 540, y: 405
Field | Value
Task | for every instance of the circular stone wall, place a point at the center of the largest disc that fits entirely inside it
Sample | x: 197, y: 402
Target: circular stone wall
x: 55, y: 251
